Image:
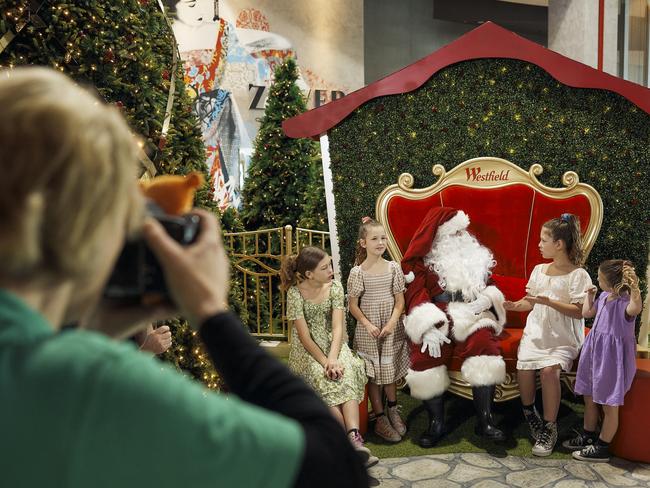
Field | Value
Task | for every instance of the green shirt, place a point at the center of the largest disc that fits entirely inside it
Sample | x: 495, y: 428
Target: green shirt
x: 78, y: 409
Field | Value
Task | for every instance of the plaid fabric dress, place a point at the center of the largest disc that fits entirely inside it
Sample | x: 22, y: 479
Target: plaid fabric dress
x: 387, y: 359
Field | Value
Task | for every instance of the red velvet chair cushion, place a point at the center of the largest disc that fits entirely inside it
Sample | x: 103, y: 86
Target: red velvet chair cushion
x: 507, y: 220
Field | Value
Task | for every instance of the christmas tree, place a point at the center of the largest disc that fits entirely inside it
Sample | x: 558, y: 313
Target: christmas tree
x: 125, y: 51
x: 281, y: 168
x: 315, y: 210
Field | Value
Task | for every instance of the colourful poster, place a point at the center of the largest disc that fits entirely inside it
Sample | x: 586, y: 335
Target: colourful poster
x: 230, y: 53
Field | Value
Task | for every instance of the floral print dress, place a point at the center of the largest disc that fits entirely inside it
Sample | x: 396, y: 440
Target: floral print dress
x: 319, y: 321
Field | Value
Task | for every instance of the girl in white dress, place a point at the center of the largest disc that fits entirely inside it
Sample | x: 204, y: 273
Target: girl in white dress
x: 554, y: 329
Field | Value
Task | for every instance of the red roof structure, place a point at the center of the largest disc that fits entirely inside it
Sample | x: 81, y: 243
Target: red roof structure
x: 487, y: 41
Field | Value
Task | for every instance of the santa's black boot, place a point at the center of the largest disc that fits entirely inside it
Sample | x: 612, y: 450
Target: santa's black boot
x: 483, y: 398
x: 436, y: 410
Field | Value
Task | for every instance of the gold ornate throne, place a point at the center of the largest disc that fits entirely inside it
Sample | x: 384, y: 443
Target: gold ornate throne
x: 507, y: 207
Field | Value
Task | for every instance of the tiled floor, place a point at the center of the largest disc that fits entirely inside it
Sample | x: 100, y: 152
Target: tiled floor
x: 487, y: 471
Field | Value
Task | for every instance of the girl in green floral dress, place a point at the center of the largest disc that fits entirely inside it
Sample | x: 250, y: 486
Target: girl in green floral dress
x: 319, y: 351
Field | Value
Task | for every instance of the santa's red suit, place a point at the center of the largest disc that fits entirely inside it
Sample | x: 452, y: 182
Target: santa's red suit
x: 452, y: 309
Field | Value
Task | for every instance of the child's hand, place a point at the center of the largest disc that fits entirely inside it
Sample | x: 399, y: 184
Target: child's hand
x: 372, y: 330
x: 333, y: 370
x: 540, y: 299
x: 591, y: 290
x: 388, y: 330
x: 514, y: 306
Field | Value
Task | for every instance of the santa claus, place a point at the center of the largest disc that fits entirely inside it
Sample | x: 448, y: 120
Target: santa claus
x: 452, y: 310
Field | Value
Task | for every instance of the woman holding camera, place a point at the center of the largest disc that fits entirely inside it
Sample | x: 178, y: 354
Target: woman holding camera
x: 79, y: 409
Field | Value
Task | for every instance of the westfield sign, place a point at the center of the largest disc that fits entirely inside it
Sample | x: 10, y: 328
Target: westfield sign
x: 477, y: 174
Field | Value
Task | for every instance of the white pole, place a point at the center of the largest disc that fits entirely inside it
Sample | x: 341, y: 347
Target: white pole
x: 329, y: 200
x: 644, y: 332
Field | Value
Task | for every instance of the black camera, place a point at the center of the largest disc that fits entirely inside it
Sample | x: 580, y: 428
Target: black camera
x: 138, y: 277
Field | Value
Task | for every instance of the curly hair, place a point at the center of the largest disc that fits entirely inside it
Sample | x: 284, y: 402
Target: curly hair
x: 620, y: 275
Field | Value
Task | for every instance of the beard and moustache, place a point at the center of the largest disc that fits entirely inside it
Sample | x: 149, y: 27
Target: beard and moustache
x: 461, y: 263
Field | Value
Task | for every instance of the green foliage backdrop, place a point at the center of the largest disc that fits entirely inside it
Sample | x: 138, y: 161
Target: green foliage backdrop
x: 508, y: 109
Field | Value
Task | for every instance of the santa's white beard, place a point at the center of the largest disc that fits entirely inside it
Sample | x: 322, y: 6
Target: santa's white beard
x: 461, y: 263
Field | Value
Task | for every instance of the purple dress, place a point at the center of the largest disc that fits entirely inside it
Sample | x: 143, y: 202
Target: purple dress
x: 608, y: 358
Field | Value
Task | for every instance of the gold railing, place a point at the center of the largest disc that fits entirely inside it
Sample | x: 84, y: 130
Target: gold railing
x: 257, y: 257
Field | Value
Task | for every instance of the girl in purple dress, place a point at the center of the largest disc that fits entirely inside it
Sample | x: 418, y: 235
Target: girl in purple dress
x: 608, y: 358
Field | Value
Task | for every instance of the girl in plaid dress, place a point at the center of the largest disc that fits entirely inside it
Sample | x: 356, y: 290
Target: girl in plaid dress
x: 376, y: 300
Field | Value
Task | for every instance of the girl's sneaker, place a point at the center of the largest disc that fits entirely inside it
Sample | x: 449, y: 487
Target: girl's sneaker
x: 546, y: 440
x: 580, y: 441
x: 535, y: 423
x: 386, y: 431
x: 594, y: 453
x: 396, y: 420
x: 357, y: 442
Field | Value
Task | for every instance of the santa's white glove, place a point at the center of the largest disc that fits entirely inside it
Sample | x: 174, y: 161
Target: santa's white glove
x: 432, y: 340
x: 480, y: 304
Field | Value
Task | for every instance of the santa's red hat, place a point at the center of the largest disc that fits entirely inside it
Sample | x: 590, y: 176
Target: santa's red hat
x: 438, y: 221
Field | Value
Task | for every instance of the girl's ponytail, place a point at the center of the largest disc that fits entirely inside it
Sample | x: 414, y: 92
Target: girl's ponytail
x: 630, y: 280
x: 288, y: 272
x: 360, y: 253
x: 567, y: 228
x: 295, y: 266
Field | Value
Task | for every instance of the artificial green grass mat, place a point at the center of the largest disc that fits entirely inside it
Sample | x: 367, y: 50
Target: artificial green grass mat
x: 460, y: 419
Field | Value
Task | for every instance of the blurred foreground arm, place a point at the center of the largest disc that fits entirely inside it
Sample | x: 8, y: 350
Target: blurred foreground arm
x: 198, y: 281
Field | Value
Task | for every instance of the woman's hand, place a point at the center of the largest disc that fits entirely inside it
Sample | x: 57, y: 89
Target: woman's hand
x: 373, y: 330
x: 197, y: 275
x: 157, y: 340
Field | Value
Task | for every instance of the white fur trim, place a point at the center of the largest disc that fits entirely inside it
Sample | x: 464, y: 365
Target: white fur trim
x: 423, y: 318
x: 484, y: 370
x: 497, y: 299
x: 409, y: 277
x: 465, y: 322
x: 425, y: 385
x: 460, y: 221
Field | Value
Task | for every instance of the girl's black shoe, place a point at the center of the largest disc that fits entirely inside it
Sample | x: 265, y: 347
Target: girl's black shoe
x: 594, y: 453
x: 580, y: 441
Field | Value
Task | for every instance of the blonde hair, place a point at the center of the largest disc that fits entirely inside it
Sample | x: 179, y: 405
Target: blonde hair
x: 620, y: 275
x: 567, y: 228
x: 68, y: 162
x: 360, y: 252
x: 294, y: 267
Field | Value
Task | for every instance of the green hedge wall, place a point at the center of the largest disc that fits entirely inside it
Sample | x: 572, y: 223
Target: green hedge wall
x: 508, y: 109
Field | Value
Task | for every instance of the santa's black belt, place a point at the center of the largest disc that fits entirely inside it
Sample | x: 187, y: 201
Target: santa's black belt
x: 449, y: 296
